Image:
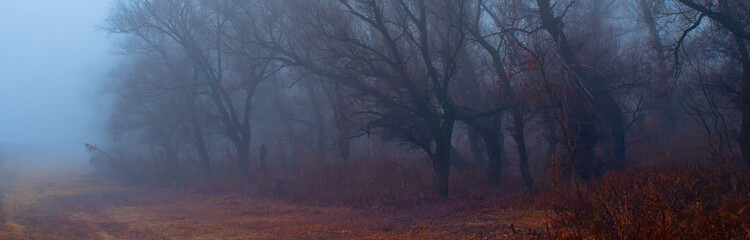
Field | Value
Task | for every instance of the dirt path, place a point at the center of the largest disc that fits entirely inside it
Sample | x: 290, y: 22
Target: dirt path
x: 74, y: 205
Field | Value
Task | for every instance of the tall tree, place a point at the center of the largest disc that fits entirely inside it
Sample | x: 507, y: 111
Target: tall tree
x: 203, y: 31
x: 592, y: 111
x: 399, y: 56
x: 733, y: 16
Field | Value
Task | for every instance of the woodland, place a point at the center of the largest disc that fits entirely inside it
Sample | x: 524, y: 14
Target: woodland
x: 618, y: 119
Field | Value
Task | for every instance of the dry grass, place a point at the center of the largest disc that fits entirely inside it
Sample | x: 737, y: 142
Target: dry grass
x: 360, y: 184
x: 382, y: 200
x: 664, y: 203
x: 73, y: 205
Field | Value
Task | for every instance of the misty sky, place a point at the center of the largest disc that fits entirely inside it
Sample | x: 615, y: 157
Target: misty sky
x: 53, y: 59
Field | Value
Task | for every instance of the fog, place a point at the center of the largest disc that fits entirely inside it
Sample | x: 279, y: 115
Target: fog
x: 377, y: 119
x: 52, y: 54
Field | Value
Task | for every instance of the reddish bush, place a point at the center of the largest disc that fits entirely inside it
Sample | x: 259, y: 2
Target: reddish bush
x: 664, y: 203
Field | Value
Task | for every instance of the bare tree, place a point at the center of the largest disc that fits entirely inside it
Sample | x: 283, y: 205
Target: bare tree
x: 732, y: 16
x: 400, y: 57
x: 494, y: 44
x: 593, y: 110
x: 204, y: 32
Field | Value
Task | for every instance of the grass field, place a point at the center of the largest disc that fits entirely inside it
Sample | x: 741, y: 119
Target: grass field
x: 71, y: 204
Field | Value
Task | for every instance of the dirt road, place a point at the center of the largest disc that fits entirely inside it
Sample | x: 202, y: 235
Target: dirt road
x: 47, y: 204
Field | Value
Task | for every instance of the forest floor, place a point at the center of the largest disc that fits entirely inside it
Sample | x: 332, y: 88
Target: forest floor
x: 73, y: 204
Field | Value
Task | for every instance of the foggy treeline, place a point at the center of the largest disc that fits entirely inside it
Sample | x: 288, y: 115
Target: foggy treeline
x: 212, y: 88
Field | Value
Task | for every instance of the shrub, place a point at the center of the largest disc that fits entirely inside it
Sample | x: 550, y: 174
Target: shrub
x: 666, y: 203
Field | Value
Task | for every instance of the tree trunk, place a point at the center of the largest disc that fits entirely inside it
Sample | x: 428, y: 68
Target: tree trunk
x: 170, y: 159
x: 200, y: 142
x: 322, y: 141
x: 613, y: 117
x: 342, y: 124
x: 470, y: 85
x: 441, y: 163
x: 476, y: 149
x: 551, y: 138
x: 344, y: 146
x: 262, y: 157
x: 320, y: 124
x: 494, y: 143
x: 459, y: 162
x: 523, y: 155
x: 583, y: 131
x: 656, y: 46
x: 744, y: 136
x: 171, y: 163
x: 282, y: 109
x: 584, y: 121
x: 659, y: 87
x: 243, y: 156
x: 585, y: 137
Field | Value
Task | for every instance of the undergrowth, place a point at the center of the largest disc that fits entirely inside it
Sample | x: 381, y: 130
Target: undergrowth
x: 360, y: 184
x: 367, y: 184
x: 663, y: 203
x: 657, y: 202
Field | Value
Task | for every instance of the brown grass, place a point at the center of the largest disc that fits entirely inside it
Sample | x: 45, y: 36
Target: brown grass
x: 75, y: 205
x: 361, y: 184
x: 392, y: 200
x: 664, y: 203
